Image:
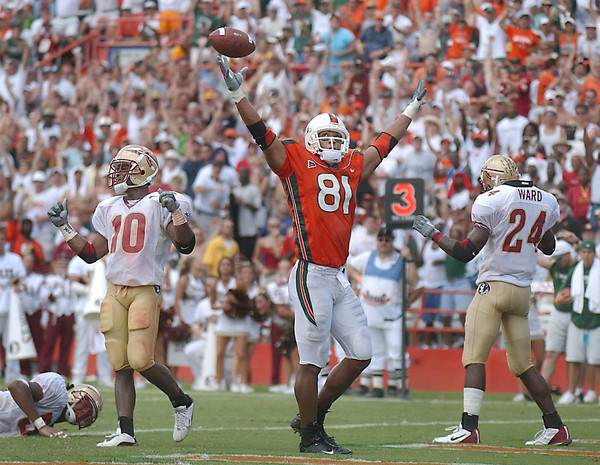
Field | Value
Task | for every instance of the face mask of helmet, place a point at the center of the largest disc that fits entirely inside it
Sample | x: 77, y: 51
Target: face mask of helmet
x: 327, y: 137
x: 84, y: 403
x: 133, y: 166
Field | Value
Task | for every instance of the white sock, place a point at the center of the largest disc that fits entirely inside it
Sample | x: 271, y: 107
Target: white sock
x: 472, y: 398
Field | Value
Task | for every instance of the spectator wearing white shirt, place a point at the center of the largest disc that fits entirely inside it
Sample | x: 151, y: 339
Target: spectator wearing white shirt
x: 588, y: 44
x: 509, y: 130
x: 490, y: 32
x: 11, y: 271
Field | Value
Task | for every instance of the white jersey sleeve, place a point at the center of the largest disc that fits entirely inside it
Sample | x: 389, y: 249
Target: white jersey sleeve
x: 517, y: 216
x: 14, y: 422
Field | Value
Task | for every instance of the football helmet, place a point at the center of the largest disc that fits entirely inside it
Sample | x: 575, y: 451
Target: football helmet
x: 497, y: 170
x: 314, y: 139
x: 133, y: 166
x: 84, y: 403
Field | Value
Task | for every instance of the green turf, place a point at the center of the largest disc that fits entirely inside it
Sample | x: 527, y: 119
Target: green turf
x: 389, y: 430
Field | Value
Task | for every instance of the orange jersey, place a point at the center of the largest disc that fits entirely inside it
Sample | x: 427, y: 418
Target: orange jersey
x: 321, y: 201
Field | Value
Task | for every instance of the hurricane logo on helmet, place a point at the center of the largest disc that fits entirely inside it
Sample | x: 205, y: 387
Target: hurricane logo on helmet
x: 84, y: 403
x: 133, y: 166
x: 327, y: 137
x: 497, y: 170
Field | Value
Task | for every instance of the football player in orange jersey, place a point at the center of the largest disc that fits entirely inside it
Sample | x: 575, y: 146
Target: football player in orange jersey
x: 320, y: 181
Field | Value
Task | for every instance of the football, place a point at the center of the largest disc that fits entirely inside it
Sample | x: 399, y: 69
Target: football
x: 231, y: 42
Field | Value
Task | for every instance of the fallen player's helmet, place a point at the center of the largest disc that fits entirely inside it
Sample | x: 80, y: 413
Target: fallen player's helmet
x: 84, y: 403
x: 497, y: 170
x: 133, y: 166
x: 314, y: 137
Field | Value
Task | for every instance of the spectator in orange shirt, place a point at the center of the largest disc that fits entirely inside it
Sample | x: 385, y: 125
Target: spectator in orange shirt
x: 460, y: 37
x: 128, y: 23
x: 352, y: 15
x: 592, y: 81
x: 567, y: 41
x: 522, y: 39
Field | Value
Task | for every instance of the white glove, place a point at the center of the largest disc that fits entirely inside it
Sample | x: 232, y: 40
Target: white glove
x: 58, y: 213
x: 233, y: 81
x: 424, y: 226
x: 416, y: 102
x: 167, y: 199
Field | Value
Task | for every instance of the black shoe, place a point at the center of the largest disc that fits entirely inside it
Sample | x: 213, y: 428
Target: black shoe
x: 360, y: 391
x: 320, y: 443
x: 374, y: 393
x: 392, y: 392
x: 295, y: 424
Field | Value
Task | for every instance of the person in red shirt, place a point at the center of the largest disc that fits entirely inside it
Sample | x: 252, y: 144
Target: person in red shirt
x: 579, y: 195
x: 516, y: 86
x: 522, y: 39
x: 320, y: 180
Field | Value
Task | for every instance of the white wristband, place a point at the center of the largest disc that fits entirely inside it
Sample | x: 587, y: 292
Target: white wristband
x: 67, y: 231
x: 412, y: 109
x: 39, y: 423
x: 237, y: 95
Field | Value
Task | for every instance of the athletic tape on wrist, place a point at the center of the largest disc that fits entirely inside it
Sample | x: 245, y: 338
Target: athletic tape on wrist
x: 39, y: 423
x: 412, y: 109
x: 237, y: 95
x: 178, y: 218
x: 67, y: 231
x: 437, y: 237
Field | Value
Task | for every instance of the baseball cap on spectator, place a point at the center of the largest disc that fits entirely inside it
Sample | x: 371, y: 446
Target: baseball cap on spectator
x: 241, y: 5
x: 562, y: 248
x: 447, y: 64
x: 172, y: 154
x: 486, y: 6
x: 435, y: 104
x: 86, y: 147
x: 230, y: 132
x: 590, y: 25
x: 48, y: 112
x: 549, y: 109
x: 544, y: 20
x: 478, y: 135
x: 549, y: 95
x: 546, y: 2
x: 379, y: 14
x: 562, y: 142
x: 569, y: 20
x: 587, y: 244
x: 162, y: 137
x: 385, y: 232
x: 446, y: 19
x: 358, y: 105
x: 150, y: 4
x: 558, y: 194
x: 57, y: 170
x: 243, y: 163
x: 521, y: 13
x: 387, y: 93
x: 193, y: 106
x: 371, y: 5
x: 273, y: 7
x: 39, y: 176
x: 105, y: 121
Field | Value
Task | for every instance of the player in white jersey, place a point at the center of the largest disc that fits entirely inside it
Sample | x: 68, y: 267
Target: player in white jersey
x: 513, y: 218
x: 36, y: 405
x: 136, y: 230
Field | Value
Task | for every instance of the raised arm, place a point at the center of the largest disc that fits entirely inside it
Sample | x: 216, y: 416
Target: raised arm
x: 464, y: 251
x: 386, y: 141
x: 90, y: 253
x: 268, y: 142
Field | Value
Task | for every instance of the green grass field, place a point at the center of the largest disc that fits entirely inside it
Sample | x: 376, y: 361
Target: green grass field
x: 254, y: 428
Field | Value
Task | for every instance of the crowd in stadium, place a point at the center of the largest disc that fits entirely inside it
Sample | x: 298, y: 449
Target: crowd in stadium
x: 520, y: 78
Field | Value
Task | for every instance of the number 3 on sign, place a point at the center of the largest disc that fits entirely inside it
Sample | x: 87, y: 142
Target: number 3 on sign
x: 407, y: 204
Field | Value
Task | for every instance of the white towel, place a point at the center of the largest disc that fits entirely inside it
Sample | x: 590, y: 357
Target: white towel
x: 592, y: 291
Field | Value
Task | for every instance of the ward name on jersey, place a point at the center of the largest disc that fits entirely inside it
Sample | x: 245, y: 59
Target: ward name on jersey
x: 137, y: 238
x: 517, y: 214
x: 322, y: 223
